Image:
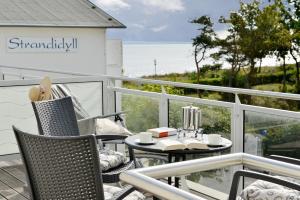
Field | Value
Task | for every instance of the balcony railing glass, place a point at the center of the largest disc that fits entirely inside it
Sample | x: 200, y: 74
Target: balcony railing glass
x: 259, y: 130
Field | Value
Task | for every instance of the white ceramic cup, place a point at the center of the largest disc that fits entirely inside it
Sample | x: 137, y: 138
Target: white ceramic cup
x: 145, y: 137
x: 214, y: 139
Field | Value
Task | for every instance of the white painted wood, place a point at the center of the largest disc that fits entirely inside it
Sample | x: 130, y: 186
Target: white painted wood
x: 89, y: 57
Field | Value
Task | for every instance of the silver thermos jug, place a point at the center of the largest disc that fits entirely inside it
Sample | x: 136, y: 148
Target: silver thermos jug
x: 191, y: 118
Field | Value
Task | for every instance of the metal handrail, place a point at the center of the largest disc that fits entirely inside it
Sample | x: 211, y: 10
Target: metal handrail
x: 210, y: 88
x: 44, y: 70
x: 174, y: 84
x: 145, y: 178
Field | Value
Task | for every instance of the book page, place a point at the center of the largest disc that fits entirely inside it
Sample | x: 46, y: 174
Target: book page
x: 194, y: 144
x: 170, y: 144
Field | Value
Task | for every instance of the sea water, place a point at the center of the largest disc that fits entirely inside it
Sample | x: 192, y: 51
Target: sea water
x: 139, y: 58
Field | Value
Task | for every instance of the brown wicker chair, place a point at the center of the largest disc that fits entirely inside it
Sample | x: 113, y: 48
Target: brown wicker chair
x: 57, y: 118
x: 64, y: 167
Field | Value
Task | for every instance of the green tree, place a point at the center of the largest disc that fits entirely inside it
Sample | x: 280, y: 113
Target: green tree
x: 290, y: 11
x: 255, y: 32
x: 246, y: 38
x: 203, y: 42
x: 275, y: 36
x: 230, y: 51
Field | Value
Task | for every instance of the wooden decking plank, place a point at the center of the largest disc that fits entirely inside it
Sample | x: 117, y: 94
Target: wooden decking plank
x: 2, y: 197
x: 9, y: 193
x: 18, y: 171
x: 14, y: 183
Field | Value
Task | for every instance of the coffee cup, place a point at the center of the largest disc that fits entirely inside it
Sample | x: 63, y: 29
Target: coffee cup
x: 145, y: 137
x: 214, y: 139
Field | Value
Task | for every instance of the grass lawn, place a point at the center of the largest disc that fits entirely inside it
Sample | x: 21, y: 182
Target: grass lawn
x: 274, y: 87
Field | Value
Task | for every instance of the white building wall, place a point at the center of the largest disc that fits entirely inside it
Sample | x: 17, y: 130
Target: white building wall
x: 88, y: 58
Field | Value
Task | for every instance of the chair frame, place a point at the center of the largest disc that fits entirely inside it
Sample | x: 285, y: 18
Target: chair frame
x: 263, y: 176
x: 257, y: 175
x: 27, y: 160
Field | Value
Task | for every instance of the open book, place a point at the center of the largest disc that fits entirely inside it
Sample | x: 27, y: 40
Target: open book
x: 169, y: 144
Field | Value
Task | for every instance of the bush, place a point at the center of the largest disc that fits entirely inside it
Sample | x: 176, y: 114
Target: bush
x: 276, y: 77
x: 207, y: 68
x: 212, y: 81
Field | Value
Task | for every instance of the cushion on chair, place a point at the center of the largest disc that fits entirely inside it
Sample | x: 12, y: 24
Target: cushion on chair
x: 110, y: 159
x: 268, y: 191
x: 111, y: 191
x: 107, y: 127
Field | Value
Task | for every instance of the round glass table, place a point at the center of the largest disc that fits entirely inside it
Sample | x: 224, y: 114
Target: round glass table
x: 173, y: 155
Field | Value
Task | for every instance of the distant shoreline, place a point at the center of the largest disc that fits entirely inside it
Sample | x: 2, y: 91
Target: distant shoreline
x: 155, y: 42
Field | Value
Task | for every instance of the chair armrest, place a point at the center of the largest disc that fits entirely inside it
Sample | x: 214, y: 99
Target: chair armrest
x: 110, y: 137
x: 285, y: 159
x: 122, y: 194
x: 103, y: 116
x: 257, y: 175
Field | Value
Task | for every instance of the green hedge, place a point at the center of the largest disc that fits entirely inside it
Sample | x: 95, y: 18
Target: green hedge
x: 211, y: 81
x: 276, y: 77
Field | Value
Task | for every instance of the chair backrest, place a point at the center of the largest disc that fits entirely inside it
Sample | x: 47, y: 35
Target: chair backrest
x: 56, y: 117
x: 260, y: 176
x: 61, y: 167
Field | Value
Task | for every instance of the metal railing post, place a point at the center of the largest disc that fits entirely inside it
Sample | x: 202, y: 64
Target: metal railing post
x: 109, y: 100
x: 237, y: 126
x: 1, y: 75
x: 163, y: 109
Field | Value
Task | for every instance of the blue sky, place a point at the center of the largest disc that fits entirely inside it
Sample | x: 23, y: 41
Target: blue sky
x: 163, y: 20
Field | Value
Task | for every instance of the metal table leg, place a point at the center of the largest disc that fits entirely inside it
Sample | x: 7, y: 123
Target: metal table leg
x: 177, y: 159
x: 170, y: 161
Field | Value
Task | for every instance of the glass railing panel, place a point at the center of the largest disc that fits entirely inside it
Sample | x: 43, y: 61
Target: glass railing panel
x: 89, y: 95
x: 214, y: 119
x: 267, y: 134
x: 219, y: 180
x: 16, y: 110
x: 142, y: 112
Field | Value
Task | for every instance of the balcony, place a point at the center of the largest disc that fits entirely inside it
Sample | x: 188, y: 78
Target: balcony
x: 259, y: 130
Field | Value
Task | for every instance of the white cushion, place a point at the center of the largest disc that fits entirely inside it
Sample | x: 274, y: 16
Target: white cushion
x: 106, y: 127
x: 110, y: 159
x: 111, y: 191
x: 268, y: 191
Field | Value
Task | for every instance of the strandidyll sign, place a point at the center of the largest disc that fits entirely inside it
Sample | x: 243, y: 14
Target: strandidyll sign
x: 53, y: 44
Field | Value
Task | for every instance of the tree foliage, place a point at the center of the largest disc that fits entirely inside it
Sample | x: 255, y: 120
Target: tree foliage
x: 254, y: 32
x: 203, y: 42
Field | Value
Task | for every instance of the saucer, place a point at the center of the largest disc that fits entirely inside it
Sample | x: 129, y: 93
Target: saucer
x: 144, y: 143
x: 215, y: 145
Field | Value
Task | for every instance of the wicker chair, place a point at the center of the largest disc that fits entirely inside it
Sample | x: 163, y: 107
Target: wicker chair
x: 264, y: 177
x: 64, y: 168
x: 57, y: 118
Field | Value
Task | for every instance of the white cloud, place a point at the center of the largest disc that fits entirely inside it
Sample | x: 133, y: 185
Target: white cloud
x: 139, y: 26
x: 165, y: 5
x: 111, y: 4
x: 159, y: 28
x: 222, y: 34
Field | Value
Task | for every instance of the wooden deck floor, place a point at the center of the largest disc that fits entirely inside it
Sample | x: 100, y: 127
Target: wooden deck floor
x: 13, y: 181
